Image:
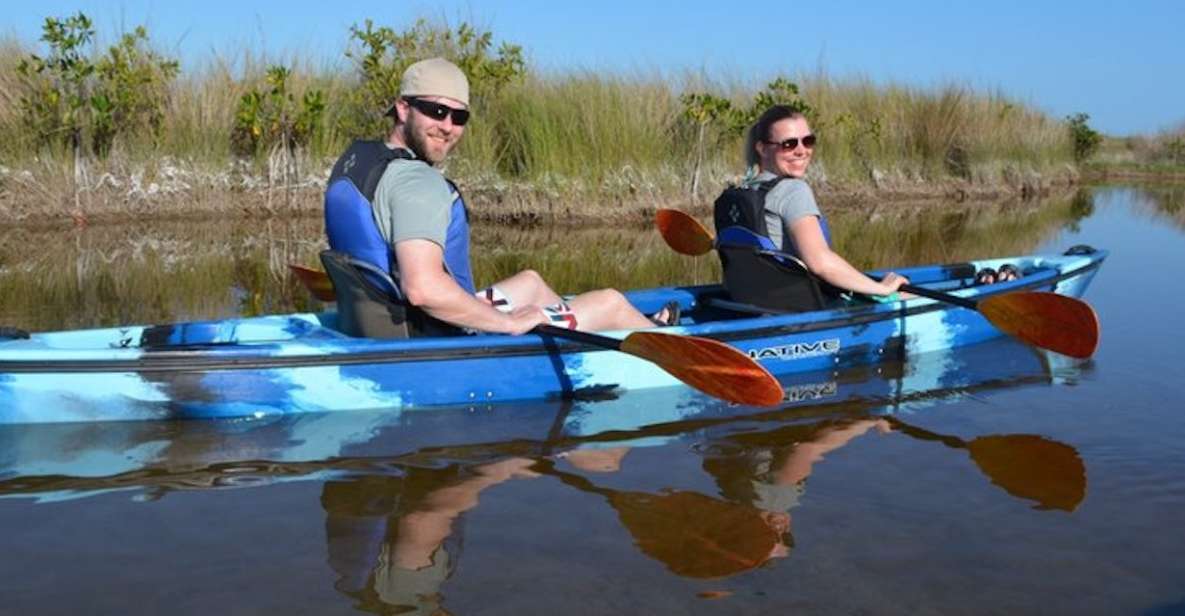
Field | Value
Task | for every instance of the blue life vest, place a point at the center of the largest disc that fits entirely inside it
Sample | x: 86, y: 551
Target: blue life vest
x: 349, y: 216
x: 739, y: 214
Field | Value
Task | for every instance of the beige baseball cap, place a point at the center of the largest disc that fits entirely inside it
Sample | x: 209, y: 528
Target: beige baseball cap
x: 433, y: 77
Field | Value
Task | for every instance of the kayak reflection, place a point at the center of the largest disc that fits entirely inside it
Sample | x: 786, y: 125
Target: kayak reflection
x: 63, y: 461
x: 397, y: 485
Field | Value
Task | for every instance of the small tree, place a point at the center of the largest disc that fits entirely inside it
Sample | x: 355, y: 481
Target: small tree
x: 131, y: 92
x: 713, y: 114
x: 705, y: 111
x: 56, y: 86
x: 1085, y: 139
x: 382, y: 55
x: 69, y: 96
x: 273, y: 118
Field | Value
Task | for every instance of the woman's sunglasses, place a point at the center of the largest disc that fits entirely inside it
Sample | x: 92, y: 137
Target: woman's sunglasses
x: 436, y: 111
x: 808, y: 142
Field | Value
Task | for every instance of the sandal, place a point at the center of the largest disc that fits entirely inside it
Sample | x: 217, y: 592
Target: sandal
x: 1007, y: 272
x: 986, y: 275
x: 673, y: 314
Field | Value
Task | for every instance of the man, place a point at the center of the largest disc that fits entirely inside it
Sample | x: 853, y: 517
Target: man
x: 422, y: 216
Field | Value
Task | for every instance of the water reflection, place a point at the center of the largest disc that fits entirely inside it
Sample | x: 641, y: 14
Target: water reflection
x: 397, y: 487
x: 393, y: 540
x: 1161, y: 202
x: 1027, y: 466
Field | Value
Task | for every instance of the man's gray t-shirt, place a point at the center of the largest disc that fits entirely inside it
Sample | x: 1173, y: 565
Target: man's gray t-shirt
x: 785, y: 203
x: 413, y: 201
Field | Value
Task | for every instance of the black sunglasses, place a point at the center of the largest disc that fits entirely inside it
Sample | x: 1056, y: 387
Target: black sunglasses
x: 436, y: 111
x: 808, y: 142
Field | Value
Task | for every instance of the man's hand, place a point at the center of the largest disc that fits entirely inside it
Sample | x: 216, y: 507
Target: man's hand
x: 524, y: 318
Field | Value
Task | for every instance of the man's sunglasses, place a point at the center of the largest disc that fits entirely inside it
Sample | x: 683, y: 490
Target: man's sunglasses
x: 808, y: 142
x: 436, y: 111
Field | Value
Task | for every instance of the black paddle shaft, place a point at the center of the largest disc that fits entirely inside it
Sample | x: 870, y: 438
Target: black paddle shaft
x: 940, y: 296
x: 604, y: 342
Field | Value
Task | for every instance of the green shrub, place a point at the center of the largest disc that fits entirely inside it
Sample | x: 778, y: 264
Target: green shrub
x: 69, y: 97
x: 131, y: 91
x: 55, y: 87
x: 1085, y: 139
x: 381, y: 55
x: 267, y: 119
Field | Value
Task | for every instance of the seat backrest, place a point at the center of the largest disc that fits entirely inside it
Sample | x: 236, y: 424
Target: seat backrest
x: 362, y: 309
x: 754, y: 276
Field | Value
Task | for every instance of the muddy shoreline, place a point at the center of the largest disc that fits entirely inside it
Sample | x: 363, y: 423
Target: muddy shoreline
x: 30, y: 203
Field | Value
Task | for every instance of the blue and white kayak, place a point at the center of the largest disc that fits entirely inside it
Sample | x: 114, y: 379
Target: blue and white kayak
x: 299, y: 363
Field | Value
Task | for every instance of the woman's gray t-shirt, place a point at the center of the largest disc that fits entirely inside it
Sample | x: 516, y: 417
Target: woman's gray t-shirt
x: 789, y: 200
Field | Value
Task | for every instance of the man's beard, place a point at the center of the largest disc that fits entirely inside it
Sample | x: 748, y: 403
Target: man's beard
x: 416, y: 143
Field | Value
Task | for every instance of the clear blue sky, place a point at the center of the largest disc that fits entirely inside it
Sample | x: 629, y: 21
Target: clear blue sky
x: 1122, y: 63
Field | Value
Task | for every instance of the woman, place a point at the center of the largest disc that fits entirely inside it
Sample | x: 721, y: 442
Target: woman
x: 779, y: 147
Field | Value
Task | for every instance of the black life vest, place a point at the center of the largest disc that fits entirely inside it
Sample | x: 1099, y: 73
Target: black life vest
x: 752, y: 276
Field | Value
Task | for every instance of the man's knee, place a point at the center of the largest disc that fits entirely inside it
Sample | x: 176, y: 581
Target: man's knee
x: 611, y: 298
x: 531, y: 276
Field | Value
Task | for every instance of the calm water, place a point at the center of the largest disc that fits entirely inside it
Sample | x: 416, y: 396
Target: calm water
x: 997, y: 479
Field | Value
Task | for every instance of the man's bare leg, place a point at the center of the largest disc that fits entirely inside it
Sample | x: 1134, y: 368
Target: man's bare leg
x: 595, y: 310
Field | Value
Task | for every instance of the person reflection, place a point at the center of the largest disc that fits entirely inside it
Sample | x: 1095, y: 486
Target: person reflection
x: 769, y: 470
x: 394, y: 540
x: 760, y: 477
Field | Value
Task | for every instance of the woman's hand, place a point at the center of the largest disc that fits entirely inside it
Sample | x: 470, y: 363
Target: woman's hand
x: 893, y: 281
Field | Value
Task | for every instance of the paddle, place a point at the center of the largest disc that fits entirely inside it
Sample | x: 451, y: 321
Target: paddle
x: 316, y: 281
x: 1024, y: 465
x: 1051, y: 321
x: 692, y: 534
x: 712, y: 367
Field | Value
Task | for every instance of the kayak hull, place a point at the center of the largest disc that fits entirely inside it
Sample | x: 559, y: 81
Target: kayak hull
x: 285, y: 364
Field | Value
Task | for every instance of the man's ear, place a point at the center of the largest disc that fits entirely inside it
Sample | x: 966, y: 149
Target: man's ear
x: 401, y: 110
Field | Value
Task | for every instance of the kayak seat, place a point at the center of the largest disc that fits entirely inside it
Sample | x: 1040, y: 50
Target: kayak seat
x: 365, y: 310
x: 756, y: 273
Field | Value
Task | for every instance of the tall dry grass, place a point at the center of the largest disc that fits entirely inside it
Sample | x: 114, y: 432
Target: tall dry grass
x: 580, y: 135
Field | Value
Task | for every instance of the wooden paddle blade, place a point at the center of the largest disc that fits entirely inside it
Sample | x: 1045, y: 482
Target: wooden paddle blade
x: 316, y: 281
x: 709, y: 366
x: 683, y: 233
x: 1032, y: 467
x: 1059, y: 323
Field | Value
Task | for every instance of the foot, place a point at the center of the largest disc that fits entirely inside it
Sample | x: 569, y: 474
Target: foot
x: 986, y: 275
x: 1007, y: 272
x: 669, y: 315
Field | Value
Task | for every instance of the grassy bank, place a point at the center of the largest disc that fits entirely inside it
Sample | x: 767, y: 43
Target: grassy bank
x: 1146, y: 157
x: 541, y: 145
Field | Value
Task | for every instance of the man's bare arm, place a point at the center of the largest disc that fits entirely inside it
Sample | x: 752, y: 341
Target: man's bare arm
x: 428, y: 286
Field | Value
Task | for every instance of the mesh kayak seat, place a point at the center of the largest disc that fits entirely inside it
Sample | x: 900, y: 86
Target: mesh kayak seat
x: 756, y: 273
x: 364, y: 310
x: 367, y: 310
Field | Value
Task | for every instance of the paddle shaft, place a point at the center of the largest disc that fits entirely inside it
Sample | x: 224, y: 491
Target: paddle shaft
x: 940, y: 296
x: 925, y: 435
x: 605, y: 342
